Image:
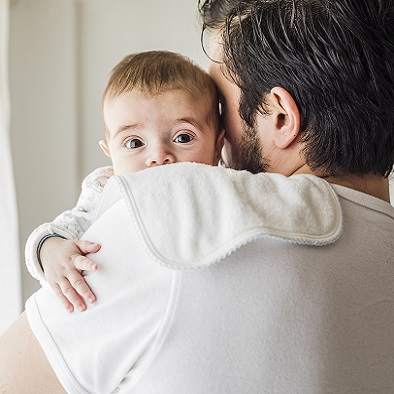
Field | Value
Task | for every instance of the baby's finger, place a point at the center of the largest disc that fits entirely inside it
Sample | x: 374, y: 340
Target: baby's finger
x: 82, y: 263
x: 87, y: 247
x: 71, y: 294
x: 63, y: 299
x: 79, y: 284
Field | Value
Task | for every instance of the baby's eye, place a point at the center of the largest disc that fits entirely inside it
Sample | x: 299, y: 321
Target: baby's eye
x: 184, y: 138
x: 134, y: 143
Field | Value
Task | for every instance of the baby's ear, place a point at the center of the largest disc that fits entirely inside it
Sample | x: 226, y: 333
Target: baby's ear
x: 104, y: 147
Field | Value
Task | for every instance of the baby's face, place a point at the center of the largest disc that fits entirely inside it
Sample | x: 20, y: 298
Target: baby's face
x: 147, y: 131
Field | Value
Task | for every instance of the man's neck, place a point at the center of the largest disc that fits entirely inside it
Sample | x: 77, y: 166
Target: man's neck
x: 375, y: 185
x: 372, y: 184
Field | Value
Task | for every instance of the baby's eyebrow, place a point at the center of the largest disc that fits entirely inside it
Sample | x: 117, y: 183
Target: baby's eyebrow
x: 127, y: 127
x: 190, y: 120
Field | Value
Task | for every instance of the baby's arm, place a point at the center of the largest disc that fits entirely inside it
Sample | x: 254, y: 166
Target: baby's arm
x: 53, y: 251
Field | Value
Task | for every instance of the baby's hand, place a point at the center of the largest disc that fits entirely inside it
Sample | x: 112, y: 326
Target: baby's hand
x: 63, y: 262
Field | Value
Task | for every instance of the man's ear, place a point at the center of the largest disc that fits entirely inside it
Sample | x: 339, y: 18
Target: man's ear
x: 219, y: 146
x: 286, y: 117
x: 104, y: 147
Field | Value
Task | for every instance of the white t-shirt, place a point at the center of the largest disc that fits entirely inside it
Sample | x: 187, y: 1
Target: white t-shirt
x: 223, y: 282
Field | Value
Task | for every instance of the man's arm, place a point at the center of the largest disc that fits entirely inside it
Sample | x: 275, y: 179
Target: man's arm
x: 24, y: 366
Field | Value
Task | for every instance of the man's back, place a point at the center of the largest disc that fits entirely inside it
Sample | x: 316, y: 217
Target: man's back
x: 288, y: 319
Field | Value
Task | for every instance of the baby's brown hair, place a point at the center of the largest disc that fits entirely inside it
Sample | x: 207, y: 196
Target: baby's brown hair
x: 156, y: 72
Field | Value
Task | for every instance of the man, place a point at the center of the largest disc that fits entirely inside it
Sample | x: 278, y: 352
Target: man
x: 281, y: 302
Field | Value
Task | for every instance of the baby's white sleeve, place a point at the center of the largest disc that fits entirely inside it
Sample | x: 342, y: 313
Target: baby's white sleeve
x: 71, y: 224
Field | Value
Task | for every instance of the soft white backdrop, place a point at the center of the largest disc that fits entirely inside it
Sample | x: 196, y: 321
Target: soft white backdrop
x: 10, y: 281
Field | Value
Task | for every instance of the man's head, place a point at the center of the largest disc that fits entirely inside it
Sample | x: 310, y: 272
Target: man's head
x: 160, y: 108
x: 322, y: 69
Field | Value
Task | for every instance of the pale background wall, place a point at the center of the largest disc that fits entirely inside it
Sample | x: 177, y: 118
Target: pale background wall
x: 61, y: 52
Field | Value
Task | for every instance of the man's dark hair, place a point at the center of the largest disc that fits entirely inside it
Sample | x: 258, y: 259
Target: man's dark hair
x: 336, y: 59
x: 214, y: 12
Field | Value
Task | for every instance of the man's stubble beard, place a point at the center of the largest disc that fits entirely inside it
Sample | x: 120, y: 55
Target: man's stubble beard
x: 248, y: 155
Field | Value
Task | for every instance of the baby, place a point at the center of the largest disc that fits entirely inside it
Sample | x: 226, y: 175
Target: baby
x: 158, y: 108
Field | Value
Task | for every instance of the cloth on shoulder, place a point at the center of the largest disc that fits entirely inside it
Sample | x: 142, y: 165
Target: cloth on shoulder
x: 208, y: 212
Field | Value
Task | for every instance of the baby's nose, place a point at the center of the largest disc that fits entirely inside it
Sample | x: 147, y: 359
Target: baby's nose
x: 159, y: 158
